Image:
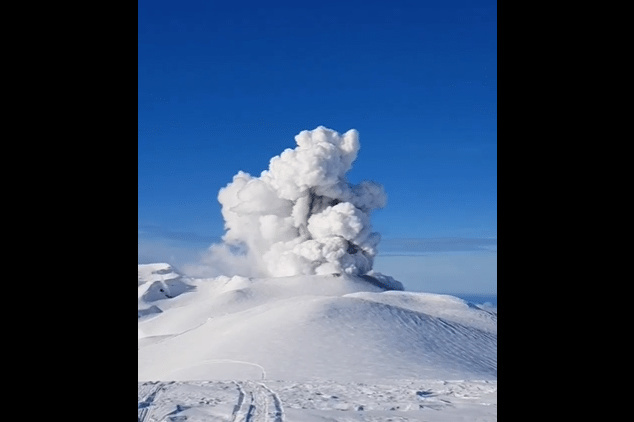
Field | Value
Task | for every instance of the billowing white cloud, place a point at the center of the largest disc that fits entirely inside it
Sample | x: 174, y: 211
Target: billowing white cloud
x: 301, y: 216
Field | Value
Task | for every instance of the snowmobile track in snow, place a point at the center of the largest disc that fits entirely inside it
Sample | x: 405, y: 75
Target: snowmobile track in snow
x: 144, y: 407
x: 257, y: 403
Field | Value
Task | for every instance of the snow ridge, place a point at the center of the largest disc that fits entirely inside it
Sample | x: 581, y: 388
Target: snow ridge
x: 301, y: 327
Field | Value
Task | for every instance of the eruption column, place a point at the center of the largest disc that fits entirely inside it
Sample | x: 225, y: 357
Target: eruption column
x: 301, y: 216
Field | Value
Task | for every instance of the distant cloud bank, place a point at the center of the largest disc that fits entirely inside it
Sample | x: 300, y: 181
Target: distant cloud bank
x: 148, y: 231
x: 418, y: 246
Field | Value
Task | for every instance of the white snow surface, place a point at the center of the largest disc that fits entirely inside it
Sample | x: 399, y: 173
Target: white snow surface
x: 310, y: 348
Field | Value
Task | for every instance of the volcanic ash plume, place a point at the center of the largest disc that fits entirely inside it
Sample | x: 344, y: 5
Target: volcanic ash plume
x: 301, y: 216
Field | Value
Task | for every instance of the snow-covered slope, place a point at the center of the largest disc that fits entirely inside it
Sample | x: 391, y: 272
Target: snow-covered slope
x: 334, y: 327
x: 155, y: 283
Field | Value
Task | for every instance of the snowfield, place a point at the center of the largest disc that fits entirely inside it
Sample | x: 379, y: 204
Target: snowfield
x: 309, y: 348
x: 317, y: 401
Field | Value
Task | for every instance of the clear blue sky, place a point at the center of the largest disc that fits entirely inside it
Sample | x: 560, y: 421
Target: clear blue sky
x: 225, y: 86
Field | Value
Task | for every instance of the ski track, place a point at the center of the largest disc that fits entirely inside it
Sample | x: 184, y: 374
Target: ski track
x: 239, y: 414
x: 257, y: 403
x: 146, y: 405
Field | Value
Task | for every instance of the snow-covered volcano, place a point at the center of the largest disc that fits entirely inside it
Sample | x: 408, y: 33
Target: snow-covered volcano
x: 337, y: 327
x: 307, y: 313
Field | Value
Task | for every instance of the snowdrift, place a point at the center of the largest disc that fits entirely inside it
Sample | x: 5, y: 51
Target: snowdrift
x: 336, y: 327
